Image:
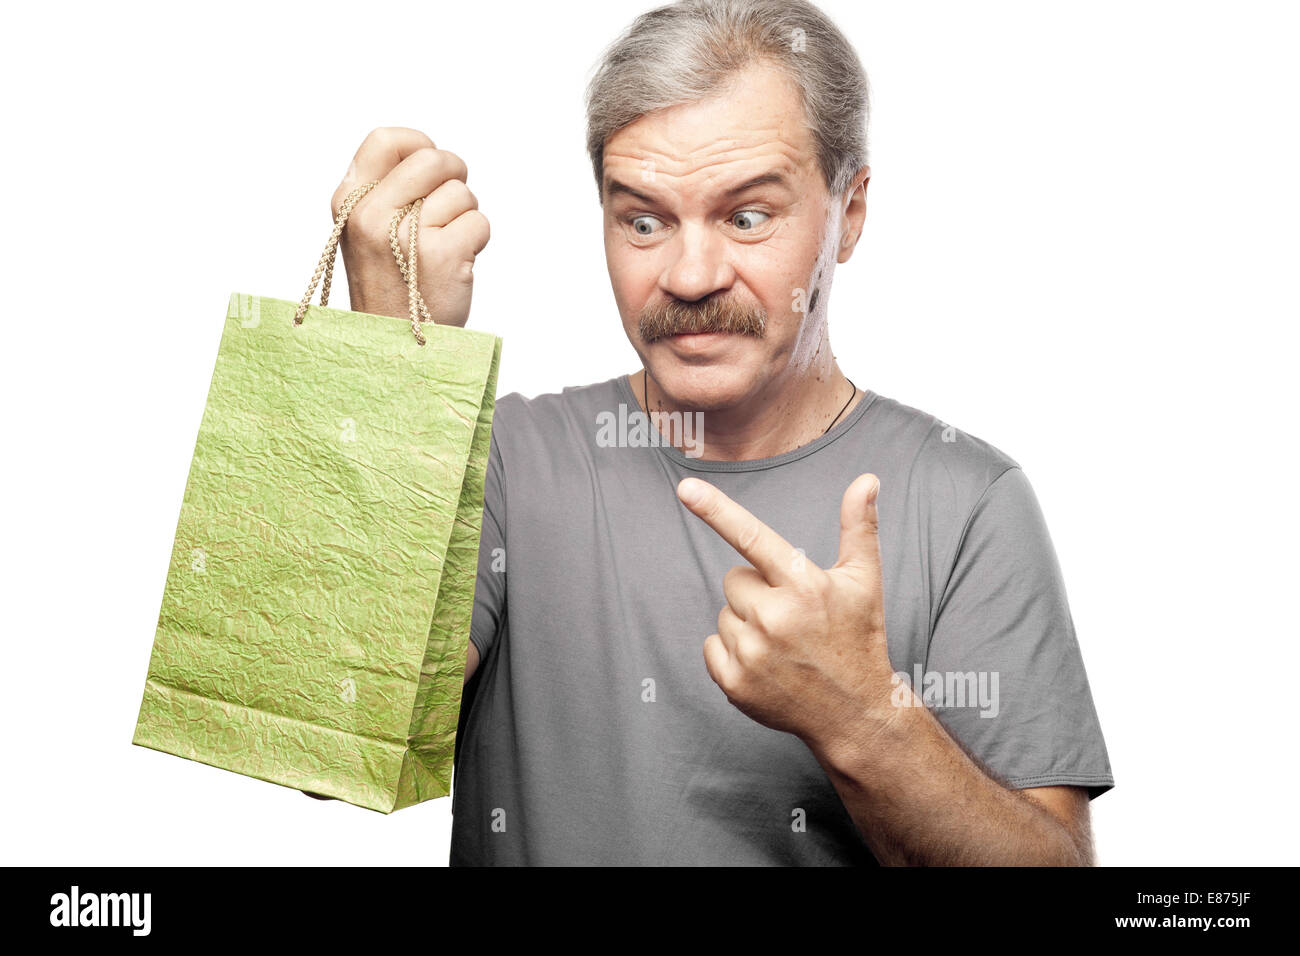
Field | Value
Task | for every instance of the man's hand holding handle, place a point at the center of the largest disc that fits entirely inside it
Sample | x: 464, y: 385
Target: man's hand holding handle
x: 452, y: 232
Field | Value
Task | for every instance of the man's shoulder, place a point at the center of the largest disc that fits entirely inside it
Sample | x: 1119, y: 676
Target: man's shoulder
x: 932, y: 458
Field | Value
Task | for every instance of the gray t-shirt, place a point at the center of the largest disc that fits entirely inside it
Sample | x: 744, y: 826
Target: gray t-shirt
x: 594, y: 734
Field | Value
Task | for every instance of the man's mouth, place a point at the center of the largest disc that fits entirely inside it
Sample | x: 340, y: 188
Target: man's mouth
x: 699, y: 343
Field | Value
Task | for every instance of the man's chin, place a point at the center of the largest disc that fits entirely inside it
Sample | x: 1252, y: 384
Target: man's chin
x: 703, y: 386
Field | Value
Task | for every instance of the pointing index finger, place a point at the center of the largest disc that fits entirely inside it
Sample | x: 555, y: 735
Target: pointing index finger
x: 767, y: 551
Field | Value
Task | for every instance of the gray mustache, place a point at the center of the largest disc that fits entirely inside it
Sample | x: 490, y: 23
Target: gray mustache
x: 712, y: 315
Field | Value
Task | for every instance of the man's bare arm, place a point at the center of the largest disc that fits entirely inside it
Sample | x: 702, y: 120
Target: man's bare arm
x: 918, y: 799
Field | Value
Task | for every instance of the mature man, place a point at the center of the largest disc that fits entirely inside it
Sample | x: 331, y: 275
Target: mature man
x: 615, y: 715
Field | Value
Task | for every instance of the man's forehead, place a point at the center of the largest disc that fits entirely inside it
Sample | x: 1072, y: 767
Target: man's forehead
x: 753, y: 127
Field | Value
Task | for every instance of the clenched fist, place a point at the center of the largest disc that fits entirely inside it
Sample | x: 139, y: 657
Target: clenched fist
x: 452, y: 231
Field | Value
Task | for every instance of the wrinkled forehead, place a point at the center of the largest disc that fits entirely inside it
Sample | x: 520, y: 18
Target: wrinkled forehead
x: 752, y: 133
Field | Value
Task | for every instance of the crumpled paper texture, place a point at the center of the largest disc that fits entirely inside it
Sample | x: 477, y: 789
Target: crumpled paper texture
x: 315, y: 619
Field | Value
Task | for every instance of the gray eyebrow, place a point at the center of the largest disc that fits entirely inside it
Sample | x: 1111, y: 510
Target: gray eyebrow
x: 614, y: 186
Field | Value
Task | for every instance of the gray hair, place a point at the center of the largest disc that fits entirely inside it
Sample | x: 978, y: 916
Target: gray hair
x: 684, y: 51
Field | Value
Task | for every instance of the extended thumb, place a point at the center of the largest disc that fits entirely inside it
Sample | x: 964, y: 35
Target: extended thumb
x: 859, y: 525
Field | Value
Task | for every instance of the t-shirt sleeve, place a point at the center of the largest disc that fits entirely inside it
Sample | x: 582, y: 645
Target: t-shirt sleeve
x: 490, y: 588
x: 1004, y: 632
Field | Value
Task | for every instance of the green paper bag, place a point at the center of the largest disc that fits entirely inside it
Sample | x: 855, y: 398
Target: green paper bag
x: 315, y: 619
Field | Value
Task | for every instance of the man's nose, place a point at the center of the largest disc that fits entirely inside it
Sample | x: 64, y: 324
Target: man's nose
x: 698, y: 265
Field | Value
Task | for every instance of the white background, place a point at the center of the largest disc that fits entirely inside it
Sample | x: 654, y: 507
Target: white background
x: 1081, y: 246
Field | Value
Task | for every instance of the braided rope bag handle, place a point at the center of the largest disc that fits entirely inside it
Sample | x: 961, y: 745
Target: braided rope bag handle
x: 407, y: 264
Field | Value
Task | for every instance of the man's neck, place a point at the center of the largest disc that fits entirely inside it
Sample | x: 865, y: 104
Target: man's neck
x: 778, y: 419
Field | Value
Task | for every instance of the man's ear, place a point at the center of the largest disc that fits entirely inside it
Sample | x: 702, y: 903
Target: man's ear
x: 855, y: 214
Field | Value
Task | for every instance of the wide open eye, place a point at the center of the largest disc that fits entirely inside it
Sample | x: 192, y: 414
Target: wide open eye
x: 642, y: 225
x: 747, y: 219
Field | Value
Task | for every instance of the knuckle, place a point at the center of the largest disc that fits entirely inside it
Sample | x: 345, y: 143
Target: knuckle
x: 749, y: 535
x: 771, y: 616
x: 714, y: 654
x: 378, y: 136
x: 453, y: 164
x: 424, y: 159
x: 482, y: 226
x: 751, y: 650
x: 710, y: 511
x: 440, y: 163
x: 453, y: 195
x: 417, y: 133
x: 461, y: 194
x: 392, y: 136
